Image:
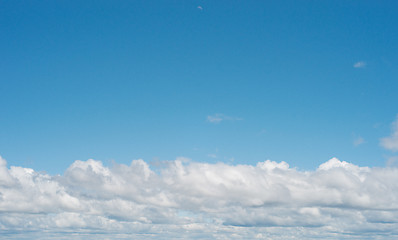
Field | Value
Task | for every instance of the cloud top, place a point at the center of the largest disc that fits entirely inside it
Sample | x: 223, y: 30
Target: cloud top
x: 202, y: 200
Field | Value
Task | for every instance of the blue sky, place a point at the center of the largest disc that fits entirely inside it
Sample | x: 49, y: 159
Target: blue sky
x: 198, y: 119
x: 136, y: 79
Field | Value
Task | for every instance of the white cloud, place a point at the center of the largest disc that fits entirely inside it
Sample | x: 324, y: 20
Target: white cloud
x: 360, y: 64
x: 391, y: 142
x: 192, y: 200
x: 200, y: 8
x: 219, y: 117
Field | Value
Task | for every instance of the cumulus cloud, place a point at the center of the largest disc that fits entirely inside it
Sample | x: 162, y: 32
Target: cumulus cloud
x: 391, y: 142
x: 219, y: 117
x: 360, y: 64
x: 192, y: 200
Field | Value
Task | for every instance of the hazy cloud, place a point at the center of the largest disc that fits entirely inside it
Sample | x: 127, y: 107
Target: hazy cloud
x: 391, y: 142
x: 219, y: 117
x: 358, y: 141
x: 192, y: 200
x: 392, y: 161
x: 360, y: 64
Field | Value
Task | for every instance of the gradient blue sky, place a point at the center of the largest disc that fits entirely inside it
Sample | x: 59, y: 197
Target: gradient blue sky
x: 294, y: 81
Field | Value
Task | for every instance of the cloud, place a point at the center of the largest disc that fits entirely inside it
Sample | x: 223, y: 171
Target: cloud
x: 391, y: 142
x: 392, y: 161
x: 360, y: 64
x: 358, y: 141
x: 192, y: 200
x: 219, y: 117
x: 200, y: 8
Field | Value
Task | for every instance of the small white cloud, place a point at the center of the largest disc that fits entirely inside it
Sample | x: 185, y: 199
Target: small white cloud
x: 358, y: 141
x: 214, y: 119
x: 391, y: 142
x: 219, y: 117
x: 200, y: 8
x: 360, y: 64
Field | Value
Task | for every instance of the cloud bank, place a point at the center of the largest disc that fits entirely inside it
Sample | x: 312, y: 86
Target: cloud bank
x: 191, y: 200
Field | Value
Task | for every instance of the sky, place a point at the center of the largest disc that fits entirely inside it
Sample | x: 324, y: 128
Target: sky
x: 197, y: 118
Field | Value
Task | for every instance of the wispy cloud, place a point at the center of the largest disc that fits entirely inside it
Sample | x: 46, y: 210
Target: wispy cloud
x: 200, y: 200
x: 219, y: 117
x: 200, y: 8
x: 391, y: 142
x: 358, y: 141
x: 262, y: 131
x: 392, y: 161
x: 360, y: 64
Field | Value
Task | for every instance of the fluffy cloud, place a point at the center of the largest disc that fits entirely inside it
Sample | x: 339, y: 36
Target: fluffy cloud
x: 391, y: 142
x: 192, y: 200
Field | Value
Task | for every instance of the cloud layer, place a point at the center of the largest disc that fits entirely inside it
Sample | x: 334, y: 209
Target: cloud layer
x: 191, y: 200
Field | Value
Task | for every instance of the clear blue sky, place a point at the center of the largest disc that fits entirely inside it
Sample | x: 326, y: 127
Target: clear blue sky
x: 231, y: 81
